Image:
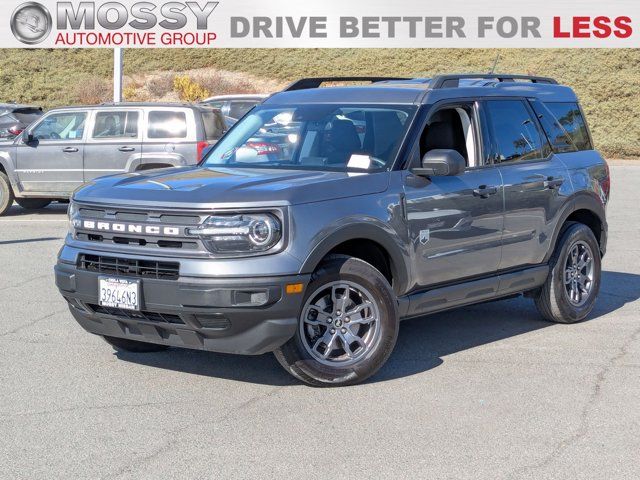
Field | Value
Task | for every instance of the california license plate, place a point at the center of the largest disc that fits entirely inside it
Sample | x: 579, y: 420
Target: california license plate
x: 119, y: 293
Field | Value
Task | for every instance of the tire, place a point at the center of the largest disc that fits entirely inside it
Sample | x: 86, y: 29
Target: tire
x: 571, y: 290
x: 123, y: 344
x: 6, y: 193
x: 33, y: 203
x: 373, y: 333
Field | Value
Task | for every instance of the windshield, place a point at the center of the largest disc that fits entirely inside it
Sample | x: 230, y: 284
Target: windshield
x: 315, y: 137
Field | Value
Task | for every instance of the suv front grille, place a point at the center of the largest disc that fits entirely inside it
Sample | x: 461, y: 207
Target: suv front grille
x: 133, y: 315
x: 130, y: 267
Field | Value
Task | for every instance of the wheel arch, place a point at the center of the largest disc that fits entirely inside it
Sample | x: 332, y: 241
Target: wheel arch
x: 7, y: 167
x: 366, y: 242
x: 587, y: 209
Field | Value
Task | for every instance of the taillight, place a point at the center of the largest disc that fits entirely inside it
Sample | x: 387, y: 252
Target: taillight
x: 201, y: 147
x: 606, y: 182
x: 15, y: 131
x: 263, y: 148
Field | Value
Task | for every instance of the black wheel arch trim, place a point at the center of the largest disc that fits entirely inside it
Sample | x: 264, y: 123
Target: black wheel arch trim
x: 582, y: 201
x: 364, y: 231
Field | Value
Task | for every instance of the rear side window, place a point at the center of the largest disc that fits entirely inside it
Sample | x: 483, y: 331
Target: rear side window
x: 558, y: 137
x: 166, y: 124
x: 116, y: 125
x: 570, y: 117
x: 214, y: 125
x: 515, y: 132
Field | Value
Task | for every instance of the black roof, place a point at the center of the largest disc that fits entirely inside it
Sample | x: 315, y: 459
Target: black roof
x: 422, y: 90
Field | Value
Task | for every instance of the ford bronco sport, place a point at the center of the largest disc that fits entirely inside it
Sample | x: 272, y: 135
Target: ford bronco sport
x: 390, y: 200
x: 71, y: 146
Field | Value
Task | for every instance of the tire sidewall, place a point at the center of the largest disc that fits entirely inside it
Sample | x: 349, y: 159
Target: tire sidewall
x: 295, y: 357
x: 6, y: 193
x: 573, y: 234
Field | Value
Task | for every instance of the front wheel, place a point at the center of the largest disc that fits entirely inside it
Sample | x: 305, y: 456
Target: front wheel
x: 6, y: 194
x: 33, y: 203
x: 347, y: 328
x: 570, y: 292
x: 133, y: 346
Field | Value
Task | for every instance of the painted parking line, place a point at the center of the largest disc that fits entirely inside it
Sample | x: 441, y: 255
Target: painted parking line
x: 18, y: 220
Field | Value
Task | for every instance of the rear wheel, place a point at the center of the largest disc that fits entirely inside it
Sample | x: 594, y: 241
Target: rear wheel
x: 570, y: 292
x: 347, y: 328
x: 6, y: 193
x: 123, y: 344
x: 33, y: 203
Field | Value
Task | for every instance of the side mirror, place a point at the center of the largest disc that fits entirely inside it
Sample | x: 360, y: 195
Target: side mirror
x: 27, y: 138
x: 441, y: 163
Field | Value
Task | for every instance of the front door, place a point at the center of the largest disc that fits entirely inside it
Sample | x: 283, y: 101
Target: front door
x: 455, y: 223
x: 114, y: 145
x: 53, y: 161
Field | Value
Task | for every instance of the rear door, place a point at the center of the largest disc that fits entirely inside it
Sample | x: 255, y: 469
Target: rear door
x: 536, y: 182
x: 170, y: 137
x: 114, y: 144
x: 53, y: 161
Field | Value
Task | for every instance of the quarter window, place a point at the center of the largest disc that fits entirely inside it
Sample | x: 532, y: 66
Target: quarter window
x: 116, y: 125
x: 515, y: 132
x: 61, y: 126
x: 570, y: 117
x: 166, y: 124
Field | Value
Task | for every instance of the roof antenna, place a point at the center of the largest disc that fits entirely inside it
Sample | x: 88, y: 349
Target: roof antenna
x: 495, y: 64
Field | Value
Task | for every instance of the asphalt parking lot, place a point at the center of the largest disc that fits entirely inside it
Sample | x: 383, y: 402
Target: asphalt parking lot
x: 485, y: 392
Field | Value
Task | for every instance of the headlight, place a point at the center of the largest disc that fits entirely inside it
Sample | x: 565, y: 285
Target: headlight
x: 233, y: 234
x: 72, y: 212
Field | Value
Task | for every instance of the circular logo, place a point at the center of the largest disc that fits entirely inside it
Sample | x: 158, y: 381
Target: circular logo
x: 31, y: 23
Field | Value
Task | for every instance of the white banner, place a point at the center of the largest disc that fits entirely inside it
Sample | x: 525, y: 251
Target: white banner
x: 322, y: 24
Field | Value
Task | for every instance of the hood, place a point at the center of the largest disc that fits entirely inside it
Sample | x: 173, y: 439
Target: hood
x: 198, y: 187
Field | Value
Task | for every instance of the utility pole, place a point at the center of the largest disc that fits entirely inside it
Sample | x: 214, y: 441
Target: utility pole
x: 117, y: 75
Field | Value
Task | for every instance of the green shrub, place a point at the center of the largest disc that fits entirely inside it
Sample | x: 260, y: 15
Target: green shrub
x: 188, y: 90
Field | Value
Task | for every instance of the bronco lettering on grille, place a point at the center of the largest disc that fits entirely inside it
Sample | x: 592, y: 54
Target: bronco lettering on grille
x: 130, y: 228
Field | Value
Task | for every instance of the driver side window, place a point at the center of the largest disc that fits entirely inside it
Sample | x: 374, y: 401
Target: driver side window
x: 61, y: 126
x: 452, y: 128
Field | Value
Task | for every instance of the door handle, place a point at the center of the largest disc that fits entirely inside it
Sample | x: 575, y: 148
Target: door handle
x: 70, y: 150
x: 484, y: 191
x: 127, y: 149
x: 553, y: 183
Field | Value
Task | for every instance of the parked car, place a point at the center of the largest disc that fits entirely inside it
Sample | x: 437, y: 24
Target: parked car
x: 14, y: 118
x: 455, y: 195
x: 234, y: 107
x: 71, y: 146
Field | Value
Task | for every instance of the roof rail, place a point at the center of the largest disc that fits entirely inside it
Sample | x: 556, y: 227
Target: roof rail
x: 453, y: 81
x: 306, y: 83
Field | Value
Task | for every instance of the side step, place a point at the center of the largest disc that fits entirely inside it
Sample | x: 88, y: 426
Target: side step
x: 475, y: 291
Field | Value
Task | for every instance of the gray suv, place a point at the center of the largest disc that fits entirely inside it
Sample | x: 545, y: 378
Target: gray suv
x: 68, y: 147
x: 393, y: 200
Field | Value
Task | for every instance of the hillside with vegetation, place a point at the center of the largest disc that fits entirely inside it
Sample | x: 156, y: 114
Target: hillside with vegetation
x: 607, y: 81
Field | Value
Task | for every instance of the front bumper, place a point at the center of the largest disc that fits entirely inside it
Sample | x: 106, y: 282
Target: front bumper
x: 247, y: 316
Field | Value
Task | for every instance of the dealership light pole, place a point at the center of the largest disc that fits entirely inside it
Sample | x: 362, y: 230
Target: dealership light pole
x: 117, y: 75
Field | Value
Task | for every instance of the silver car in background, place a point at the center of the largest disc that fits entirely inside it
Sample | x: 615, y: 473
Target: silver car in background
x: 71, y: 146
